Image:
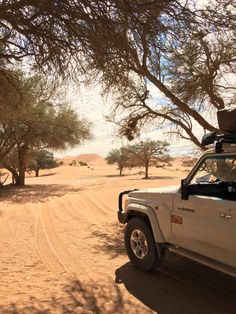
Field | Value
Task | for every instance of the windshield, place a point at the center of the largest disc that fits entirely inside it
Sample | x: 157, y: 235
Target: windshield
x: 216, y: 168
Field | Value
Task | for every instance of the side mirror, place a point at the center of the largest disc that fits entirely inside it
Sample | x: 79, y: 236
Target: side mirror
x: 184, y: 190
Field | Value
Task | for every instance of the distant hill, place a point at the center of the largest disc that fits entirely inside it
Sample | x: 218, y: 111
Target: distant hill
x: 91, y: 159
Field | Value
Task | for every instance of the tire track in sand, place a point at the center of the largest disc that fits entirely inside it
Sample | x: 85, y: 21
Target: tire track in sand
x: 45, y: 249
x: 51, y: 249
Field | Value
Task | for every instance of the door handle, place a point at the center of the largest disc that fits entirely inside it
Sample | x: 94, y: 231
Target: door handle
x: 226, y: 216
x: 186, y: 209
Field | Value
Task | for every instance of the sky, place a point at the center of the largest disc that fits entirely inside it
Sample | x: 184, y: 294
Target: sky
x: 89, y: 104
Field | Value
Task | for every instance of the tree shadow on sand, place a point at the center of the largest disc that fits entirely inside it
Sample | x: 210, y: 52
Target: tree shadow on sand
x: 116, y: 175
x: 156, y: 178
x: 160, y: 178
x: 77, y: 298
x: 181, y: 286
x: 42, y: 175
x: 37, y: 193
x: 110, y: 240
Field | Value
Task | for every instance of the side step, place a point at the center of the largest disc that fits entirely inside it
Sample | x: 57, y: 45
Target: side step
x: 203, y: 260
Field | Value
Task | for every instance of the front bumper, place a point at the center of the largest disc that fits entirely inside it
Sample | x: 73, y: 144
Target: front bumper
x: 122, y: 216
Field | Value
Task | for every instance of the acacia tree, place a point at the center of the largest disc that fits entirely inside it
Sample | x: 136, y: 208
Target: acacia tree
x: 164, y: 160
x: 37, y: 124
x: 188, y: 62
x: 186, y: 53
x: 42, y: 159
x: 14, y: 105
x: 121, y: 157
x: 145, y: 151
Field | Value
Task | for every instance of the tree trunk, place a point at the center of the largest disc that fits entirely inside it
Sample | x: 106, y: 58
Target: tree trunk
x: 15, y: 176
x: 36, y: 172
x: 17, y: 180
x: 21, y: 158
x: 146, y: 170
x: 121, y: 169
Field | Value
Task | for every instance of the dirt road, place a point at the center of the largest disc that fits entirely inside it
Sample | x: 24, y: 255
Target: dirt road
x: 62, y: 252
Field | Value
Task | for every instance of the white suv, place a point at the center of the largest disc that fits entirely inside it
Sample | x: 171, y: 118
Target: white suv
x: 196, y: 220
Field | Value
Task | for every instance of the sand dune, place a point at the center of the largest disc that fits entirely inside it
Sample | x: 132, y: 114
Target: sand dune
x: 91, y: 159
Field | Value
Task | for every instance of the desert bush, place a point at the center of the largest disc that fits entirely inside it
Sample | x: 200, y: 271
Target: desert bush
x: 73, y: 163
x: 83, y: 164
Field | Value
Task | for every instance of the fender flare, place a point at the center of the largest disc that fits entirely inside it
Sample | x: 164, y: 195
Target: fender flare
x: 148, y: 212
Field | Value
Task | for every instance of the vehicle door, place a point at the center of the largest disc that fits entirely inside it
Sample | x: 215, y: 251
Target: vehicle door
x: 206, y: 222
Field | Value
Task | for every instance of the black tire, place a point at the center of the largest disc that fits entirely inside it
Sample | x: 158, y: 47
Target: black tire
x: 144, y: 257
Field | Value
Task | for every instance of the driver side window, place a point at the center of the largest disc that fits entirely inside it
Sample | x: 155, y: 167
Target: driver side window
x: 216, y: 176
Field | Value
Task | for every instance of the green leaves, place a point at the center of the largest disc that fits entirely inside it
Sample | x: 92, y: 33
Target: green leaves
x: 139, y: 154
x: 36, y: 124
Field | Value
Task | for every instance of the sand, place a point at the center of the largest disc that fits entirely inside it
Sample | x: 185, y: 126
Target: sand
x: 62, y: 250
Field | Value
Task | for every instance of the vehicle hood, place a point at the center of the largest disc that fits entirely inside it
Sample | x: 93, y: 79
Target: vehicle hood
x: 155, y: 193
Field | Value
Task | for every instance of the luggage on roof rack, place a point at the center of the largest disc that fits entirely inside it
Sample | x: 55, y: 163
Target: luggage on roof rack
x: 227, y: 120
x: 219, y: 140
x: 227, y: 124
x: 211, y: 138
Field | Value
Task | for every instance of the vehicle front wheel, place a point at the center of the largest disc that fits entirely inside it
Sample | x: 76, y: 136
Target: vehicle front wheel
x: 140, y: 245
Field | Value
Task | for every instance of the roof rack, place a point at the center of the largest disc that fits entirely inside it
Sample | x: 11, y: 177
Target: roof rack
x: 218, y: 140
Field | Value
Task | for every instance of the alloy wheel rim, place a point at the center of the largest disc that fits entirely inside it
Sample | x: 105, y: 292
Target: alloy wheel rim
x: 138, y: 243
